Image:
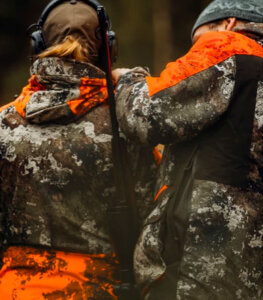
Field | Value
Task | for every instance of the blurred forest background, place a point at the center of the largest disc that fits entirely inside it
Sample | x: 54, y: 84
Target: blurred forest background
x: 150, y: 32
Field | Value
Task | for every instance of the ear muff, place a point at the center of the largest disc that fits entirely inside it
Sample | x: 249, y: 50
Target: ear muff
x: 38, y: 42
x: 37, y: 38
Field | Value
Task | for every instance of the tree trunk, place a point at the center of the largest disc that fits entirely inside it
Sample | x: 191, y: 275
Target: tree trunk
x: 162, y: 32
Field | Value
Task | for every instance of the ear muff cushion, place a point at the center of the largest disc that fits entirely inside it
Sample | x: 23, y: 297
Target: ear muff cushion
x: 38, y: 41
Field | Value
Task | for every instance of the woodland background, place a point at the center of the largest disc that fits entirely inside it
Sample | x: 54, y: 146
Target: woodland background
x: 150, y: 32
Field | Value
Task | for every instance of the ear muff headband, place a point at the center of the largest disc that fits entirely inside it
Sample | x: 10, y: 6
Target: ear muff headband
x: 37, y: 37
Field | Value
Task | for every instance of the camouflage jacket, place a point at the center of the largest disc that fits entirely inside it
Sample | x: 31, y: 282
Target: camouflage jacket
x: 56, y: 170
x: 203, y: 240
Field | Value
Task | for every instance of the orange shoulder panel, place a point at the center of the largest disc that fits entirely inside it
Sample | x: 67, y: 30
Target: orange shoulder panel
x: 210, y: 49
x: 6, y: 106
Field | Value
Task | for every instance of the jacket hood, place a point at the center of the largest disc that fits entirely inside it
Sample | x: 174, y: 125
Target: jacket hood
x: 61, y: 90
x: 251, y: 30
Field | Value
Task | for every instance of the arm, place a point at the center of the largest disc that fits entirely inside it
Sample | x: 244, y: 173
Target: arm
x: 177, y: 113
x: 190, y: 95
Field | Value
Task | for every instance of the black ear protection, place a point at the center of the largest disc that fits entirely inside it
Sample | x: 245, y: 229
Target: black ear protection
x: 37, y: 37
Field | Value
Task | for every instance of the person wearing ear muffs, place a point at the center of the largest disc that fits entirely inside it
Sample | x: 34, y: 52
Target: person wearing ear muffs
x: 204, y: 238
x: 56, y: 169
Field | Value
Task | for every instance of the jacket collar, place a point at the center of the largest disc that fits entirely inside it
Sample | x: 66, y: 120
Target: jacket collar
x: 57, y: 67
x: 61, y: 90
x: 251, y: 30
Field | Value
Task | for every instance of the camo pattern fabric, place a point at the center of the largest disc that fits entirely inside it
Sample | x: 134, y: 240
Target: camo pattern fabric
x: 223, y: 241
x: 56, y: 169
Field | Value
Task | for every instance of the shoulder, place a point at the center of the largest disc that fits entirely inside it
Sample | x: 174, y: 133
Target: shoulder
x: 5, y: 107
x: 211, y: 49
x: 5, y: 110
x: 9, y: 118
x: 223, y: 44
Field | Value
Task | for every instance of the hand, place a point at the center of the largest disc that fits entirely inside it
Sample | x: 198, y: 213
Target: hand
x: 117, y: 73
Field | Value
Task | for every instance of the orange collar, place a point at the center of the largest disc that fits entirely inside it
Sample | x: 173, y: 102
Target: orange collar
x: 93, y: 92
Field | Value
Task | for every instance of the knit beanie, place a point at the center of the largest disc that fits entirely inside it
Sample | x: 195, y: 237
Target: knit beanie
x: 249, y: 10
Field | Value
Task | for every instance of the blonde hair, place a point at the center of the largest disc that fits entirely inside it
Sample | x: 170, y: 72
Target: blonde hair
x: 69, y: 48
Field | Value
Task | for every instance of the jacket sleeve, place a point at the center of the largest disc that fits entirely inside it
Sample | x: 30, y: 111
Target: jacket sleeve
x: 175, y: 113
x: 190, y: 94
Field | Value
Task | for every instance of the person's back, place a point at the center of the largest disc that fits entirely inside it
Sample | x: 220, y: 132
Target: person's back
x: 56, y: 174
x: 204, y: 238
